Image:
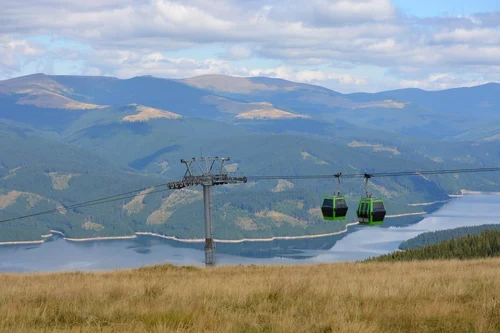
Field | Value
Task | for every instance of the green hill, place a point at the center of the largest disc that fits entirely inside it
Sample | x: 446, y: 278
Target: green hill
x: 39, y: 174
x: 56, y: 173
x: 484, y: 245
x: 68, y: 139
x: 433, y: 237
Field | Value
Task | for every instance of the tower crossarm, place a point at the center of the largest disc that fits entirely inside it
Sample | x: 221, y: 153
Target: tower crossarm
x: 212, y: 180
x: 205, y: 171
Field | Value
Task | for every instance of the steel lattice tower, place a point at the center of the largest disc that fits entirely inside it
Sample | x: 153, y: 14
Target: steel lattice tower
x: 207, y: 172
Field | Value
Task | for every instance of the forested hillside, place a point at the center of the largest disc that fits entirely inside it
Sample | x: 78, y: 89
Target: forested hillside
x: 68, y: 139
x: 433, y: 237
x: 484, y: 245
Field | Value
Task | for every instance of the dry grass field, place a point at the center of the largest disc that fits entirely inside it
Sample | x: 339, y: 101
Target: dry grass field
x: 438, y: 296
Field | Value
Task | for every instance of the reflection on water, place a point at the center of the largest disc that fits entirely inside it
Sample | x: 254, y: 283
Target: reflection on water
x: 360, y: 243
x: 374, y: 241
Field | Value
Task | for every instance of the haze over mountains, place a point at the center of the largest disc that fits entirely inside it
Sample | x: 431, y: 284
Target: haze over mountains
x: 67, y: 139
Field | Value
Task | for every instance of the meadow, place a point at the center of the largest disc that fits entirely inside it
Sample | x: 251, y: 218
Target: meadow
x: 425, y: 296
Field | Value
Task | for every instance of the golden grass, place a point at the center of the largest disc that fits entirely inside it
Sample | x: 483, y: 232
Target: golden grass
x: 279, y: 218
x: 493, y: 137
x: 269, y: 113
x: 89, y: 225
x: 246, y: 223
x: 136, y: 205
x: 227, y: 84
x: 316, y: 211
x: 388, y: 103
x: 8, y: 199
x: 283, y: 185
x: 376, y: 147
x: 146, y: 113
x: 440, y: 296
x: 60, y: 181
x: 31, y: 200
x: 47, y: 99
x: 307, y: 156
x: 252, y: 110
x: 169, y: 204
x: 12, y: 173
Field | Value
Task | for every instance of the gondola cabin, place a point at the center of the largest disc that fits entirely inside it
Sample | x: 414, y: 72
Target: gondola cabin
x: 371, y: 211
x: 334, y: 208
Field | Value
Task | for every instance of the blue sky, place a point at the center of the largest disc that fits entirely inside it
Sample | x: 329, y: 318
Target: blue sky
x: 426, y: 8
x: 345, y: 45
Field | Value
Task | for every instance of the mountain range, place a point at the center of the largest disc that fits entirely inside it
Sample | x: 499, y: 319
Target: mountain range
x: 69, y: 139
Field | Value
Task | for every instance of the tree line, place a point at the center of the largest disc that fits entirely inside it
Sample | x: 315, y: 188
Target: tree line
x: 483, y: 245
x: 433, y: 237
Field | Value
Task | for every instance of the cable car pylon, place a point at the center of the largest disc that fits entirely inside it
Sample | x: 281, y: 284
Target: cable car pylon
x: 207, y: 172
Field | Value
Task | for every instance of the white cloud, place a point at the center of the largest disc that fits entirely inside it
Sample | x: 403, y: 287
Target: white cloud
x: 239, y: 52
x: 331, y: 79
x: 440, y: 81
x: 126, y: 64
x: 132, y: 37
x: 333, y: 12
x: 483, y: 36
x: 14, y: 53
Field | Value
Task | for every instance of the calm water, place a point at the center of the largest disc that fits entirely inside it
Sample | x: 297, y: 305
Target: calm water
x: 360, y: 243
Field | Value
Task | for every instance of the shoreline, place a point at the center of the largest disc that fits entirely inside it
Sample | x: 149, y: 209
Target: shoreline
x: 182, y: 240
x: 22, y: 242
x: 57, y: 232
x: 429, y: 203
x: 99, y: 238
x: 467, y: 192
x: 196, y: 240
x: 243, y: 240
x: 405, y: 214
x: 90, y: 239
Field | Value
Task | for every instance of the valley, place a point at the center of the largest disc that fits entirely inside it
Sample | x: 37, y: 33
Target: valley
x: 264, y: 166
x: 69, y: 139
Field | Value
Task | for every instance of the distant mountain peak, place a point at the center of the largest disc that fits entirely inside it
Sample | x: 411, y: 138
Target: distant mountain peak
x: 228, y: 84
x: 43, y: 91
x: 249, y: 85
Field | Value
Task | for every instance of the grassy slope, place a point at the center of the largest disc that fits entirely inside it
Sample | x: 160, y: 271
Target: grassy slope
x: 440, y: 296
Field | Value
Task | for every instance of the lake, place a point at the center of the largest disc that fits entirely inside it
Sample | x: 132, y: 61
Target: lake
x: 359, y: 243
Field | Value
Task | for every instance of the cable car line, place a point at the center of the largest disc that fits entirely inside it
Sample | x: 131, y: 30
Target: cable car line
x: 85, y: 204
x: 128, y: 195
x: 371, y: 210
x: 380, y: 174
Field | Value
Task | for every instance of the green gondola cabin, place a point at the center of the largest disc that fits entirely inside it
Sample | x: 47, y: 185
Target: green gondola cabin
x: 334, y: 208
x: 371, y: 211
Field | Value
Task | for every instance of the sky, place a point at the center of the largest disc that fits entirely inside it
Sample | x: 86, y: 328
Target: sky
x: 344, y: 45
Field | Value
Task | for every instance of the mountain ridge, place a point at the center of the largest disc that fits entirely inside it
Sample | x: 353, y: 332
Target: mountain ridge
x: 328, y: 132
x: 256, y: 78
